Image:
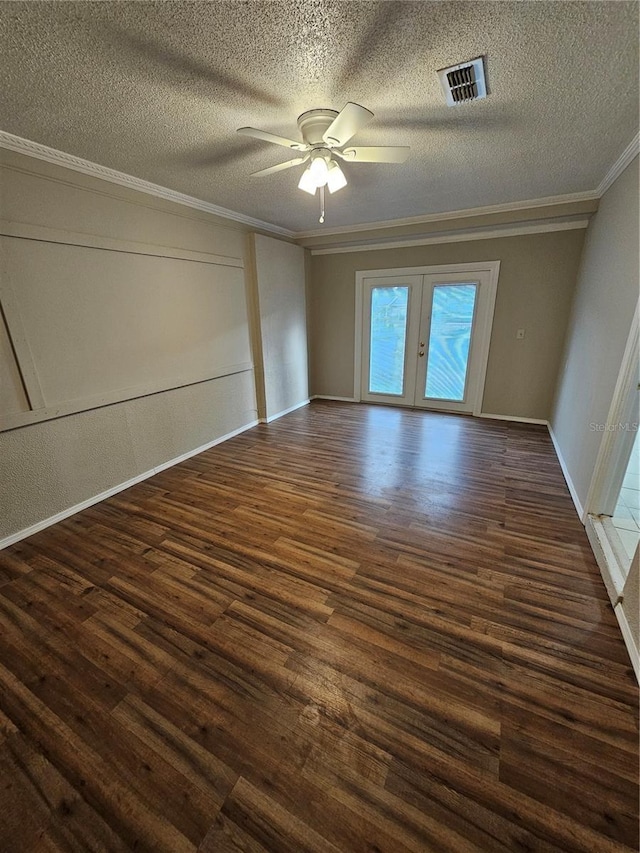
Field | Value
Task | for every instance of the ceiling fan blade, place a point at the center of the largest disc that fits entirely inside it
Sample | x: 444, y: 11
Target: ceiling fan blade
x: 271, y: 137
x: 279, y: 166
x: 347, y: 123
x: 376, y: 154
x: 175, y: 68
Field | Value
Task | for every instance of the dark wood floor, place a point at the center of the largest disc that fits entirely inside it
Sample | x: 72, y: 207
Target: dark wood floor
x: 355, y: 629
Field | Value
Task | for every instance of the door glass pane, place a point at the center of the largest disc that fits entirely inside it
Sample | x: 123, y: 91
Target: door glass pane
x: 449, y: 340
x: 389, y: 311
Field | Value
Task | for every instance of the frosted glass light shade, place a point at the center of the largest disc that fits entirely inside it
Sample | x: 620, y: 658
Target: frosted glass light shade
x: 319, y: 173
x: 336, y: 178
x: 308, y: 182
x: 319, y: 170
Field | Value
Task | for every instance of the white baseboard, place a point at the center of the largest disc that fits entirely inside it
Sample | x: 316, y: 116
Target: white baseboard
x: 514, y: 419
x: 283, y: 413
x: 567, y: 476
x: 72, y: 510
x: 629, y: 639
x: 572, y: 489
x: 337, y: 399
x: 482, y: 414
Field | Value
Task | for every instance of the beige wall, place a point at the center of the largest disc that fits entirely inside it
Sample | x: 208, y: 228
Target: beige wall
x: 93, y: 325
x: 280, y: 278
x: 535, y: 288
x: 605, y: 300
x: 49, y: 466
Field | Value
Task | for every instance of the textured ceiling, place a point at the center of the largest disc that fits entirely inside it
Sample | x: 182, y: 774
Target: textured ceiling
x: 157, y: 90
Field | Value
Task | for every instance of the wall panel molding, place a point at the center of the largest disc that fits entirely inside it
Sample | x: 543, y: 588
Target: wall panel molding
x: 20, y: 344
x: 48, y: 413
x: 45, y: 234
x: 153, y: 292
x: 78, y: 164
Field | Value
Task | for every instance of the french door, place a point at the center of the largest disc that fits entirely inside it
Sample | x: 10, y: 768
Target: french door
x: 425, y: 337
x: 613, y: 500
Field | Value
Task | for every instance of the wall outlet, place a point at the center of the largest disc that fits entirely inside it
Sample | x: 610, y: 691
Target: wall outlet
x: 520, y: 334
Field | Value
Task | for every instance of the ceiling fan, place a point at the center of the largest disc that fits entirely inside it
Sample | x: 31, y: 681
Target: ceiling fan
x: 325, y: 134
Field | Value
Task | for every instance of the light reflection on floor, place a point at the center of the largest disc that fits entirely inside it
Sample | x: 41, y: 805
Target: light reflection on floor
x: 439, y: 453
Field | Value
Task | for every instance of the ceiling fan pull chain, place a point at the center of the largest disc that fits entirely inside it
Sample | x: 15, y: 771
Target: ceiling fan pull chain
x: 321, y: 220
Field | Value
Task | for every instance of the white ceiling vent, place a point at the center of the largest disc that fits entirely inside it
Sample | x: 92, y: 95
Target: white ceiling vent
x: 464, y: 82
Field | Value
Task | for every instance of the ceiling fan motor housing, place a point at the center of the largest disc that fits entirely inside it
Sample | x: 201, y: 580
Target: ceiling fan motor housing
x: 313, y: 125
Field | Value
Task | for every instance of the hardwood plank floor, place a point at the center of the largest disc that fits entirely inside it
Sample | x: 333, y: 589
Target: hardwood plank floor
x: 355, y: 629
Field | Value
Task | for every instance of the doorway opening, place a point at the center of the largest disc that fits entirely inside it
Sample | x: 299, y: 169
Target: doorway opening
x: 612, y: 517
x: 626, y: 513
x: 422, y: 335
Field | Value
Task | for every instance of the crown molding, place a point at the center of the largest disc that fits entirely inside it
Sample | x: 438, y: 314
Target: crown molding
x: 467, y: 236
x: 507, y: 207
x: 631, y: 151
x: 78, y: 164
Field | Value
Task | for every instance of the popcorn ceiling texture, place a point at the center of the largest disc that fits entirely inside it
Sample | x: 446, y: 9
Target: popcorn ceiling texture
x: 157, y: 90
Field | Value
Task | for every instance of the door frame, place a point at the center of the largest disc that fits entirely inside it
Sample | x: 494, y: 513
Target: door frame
x: 612, y: 457
x: 484, y: 331
x: 608, y: 472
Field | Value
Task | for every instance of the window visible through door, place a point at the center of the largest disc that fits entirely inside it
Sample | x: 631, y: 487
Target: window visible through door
x: 425, y: 335
x: 452, y: 313
x: 389, y: 313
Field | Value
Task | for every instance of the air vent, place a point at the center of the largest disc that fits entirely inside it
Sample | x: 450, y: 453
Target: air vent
x: 464, y: 82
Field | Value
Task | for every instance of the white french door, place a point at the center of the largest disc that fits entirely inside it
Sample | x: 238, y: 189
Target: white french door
x: 425, y: 336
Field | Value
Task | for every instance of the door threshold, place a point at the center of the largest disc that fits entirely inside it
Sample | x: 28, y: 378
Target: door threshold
x: 609, y: 553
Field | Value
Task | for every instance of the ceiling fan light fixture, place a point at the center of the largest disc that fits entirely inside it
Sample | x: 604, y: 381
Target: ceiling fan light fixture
x: 308, y: 182
x: 325, y: 134
x: 319, y: 170
x: 336, y: 179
